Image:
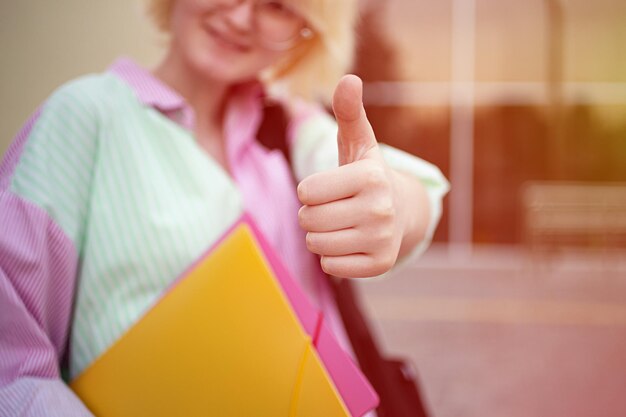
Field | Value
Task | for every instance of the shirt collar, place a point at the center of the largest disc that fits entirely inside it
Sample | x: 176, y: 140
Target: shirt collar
x: 148, y: 89
x: 243, y: 110
x: 152, y: 92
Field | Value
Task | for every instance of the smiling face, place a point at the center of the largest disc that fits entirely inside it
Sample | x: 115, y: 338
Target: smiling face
x: 232, y: 40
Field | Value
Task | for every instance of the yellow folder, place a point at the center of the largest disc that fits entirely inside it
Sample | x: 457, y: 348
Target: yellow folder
x: 223, y: 341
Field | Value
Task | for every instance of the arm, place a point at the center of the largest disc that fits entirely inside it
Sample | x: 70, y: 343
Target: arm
x: 37, y: 268
x: 38, y: 257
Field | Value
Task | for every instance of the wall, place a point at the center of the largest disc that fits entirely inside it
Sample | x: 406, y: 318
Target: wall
x: 46, y: 43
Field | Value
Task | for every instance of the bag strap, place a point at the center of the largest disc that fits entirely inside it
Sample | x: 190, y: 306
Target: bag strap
x: 272, y: 131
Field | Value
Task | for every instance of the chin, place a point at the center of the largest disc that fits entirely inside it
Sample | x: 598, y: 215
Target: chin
x: 231, y: 71
x: 228, y: 76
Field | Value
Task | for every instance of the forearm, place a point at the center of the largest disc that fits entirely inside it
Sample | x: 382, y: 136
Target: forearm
x: 30, y: 384
x: 37, y: 269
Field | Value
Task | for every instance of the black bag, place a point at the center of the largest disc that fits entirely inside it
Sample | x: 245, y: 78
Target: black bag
x: 393, y: 379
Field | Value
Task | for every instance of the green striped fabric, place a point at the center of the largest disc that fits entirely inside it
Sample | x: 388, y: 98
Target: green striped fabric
x: 113, y: 192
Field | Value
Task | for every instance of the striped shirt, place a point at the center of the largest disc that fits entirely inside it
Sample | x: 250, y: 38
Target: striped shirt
x: 105, y: 198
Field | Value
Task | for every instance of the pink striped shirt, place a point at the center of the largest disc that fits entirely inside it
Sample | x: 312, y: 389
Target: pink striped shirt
x: 39, y: 261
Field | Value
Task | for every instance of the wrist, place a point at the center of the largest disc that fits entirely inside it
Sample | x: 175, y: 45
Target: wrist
x: 414, y: 210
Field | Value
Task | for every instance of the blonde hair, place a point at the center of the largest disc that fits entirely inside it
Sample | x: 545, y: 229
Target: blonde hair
x: 312, y: 69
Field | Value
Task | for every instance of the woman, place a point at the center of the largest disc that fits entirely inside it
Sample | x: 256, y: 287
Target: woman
x: 122, y: 179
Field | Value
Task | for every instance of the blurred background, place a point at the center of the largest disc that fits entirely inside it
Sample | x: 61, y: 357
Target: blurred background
x: 519, y: 306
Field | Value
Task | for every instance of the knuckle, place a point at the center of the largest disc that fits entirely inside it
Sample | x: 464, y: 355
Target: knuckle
x: 390, y: 260
x: 384, y: 238
x: 376, y: 176
x: 383, y: 209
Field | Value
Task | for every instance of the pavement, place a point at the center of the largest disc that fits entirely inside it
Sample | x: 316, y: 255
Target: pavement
x: 502, y: 331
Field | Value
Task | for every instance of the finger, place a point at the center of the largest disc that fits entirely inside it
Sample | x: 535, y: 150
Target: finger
x: 337, y: 243
x: 335, y: 184
x: 329, y: 217
x: 358, y: 265
x: 355, y: 135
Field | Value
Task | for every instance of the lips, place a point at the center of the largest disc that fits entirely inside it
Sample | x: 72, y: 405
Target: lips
x: 226, y: 39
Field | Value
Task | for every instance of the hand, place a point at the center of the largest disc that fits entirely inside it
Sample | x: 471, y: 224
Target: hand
x: 356, y: 215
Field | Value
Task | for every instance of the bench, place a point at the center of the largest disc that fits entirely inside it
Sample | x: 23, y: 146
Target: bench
x: 580, y: 214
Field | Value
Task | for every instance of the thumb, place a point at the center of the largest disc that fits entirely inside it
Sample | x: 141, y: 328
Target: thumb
x: 355, y: 136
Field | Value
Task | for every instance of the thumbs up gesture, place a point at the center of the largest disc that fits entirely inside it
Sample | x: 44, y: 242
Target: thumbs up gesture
x: 357, y: 215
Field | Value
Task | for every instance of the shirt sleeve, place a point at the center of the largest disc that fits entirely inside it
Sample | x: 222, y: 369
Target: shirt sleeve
x: 44, y: 188
x: 313, y: 138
